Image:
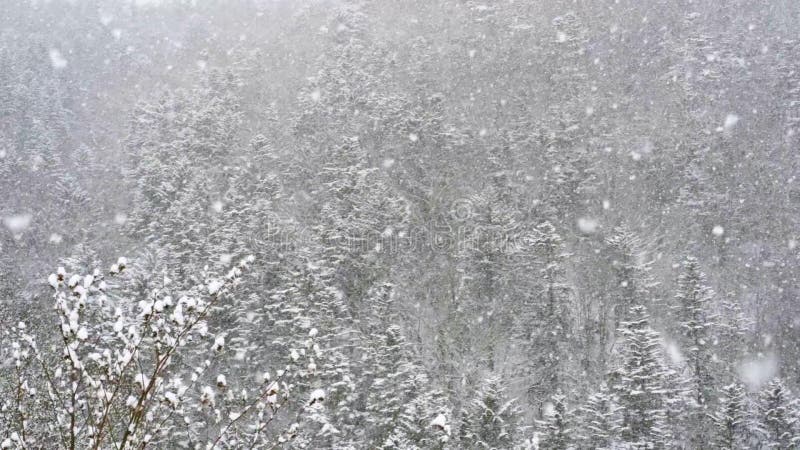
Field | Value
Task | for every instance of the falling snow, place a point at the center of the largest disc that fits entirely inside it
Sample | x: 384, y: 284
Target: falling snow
x: 399, y: 224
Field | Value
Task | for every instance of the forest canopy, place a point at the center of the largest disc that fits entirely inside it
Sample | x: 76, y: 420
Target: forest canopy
x: 406, y: 224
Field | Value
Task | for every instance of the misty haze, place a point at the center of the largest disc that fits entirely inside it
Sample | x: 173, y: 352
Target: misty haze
x: 399, y: 224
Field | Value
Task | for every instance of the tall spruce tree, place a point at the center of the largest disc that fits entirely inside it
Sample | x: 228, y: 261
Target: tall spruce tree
x: 644, y: 384
x: 731, y: 420
x: 556, y: 432
x: 400, y: 403
x: 544, y: 325
x: 181, y: 145
x: 599, y: 421
x: 633, y: 270
x: 312, y: 332
x: 564, y: 133
x: 734, y: 330
x: 491, y: 419
x: 778, y: 421
x: 694, y: 319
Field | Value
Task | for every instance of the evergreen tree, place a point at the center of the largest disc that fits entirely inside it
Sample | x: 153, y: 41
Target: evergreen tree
x: 360, y: 217
x: 396, y: 414
x: 599, y: 421
x: 544, y: 326
x: 182, y: 144
x: 556, y: 432
x: 564, y: 133
x: 416, y: 430
x: 697, y: 65
x: 734, y: 330
x: 496, y: 260
x: 401, y: 409
x: 731, y: 419
x: 777, y: 419
x: 643, y: 384
x: 310, y: 331
x: 490, y: 420
x: 693, y: 317
x: 633, y: 270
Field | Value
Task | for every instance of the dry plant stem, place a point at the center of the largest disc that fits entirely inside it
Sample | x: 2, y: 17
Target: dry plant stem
x: 139, y: 409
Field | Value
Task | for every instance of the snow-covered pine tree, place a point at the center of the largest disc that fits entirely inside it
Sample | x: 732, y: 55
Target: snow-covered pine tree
x: 495, y: 259
x: 311, y: 331
x: 395, y: 382
x: 382, y: 311
x: 359, y: 218
x: 563, y: 132
x: 351, y: 96
x: 182, y: 144
x: 345, y: 113
x: 633, y: 269
x: 599, y: 421
x: 731, y: 420
x: 697, y: 64
x: 415, y: 431
x: 246, y: 220
x: 36, y: 124
x: 694, y: 322
x: 544, y: 324
x: 400, y: 403
x: 734, y: 330
x: 427, y: 141
x: 778, y: 421
x: 350, y: 93
x: 485, y: 239
x: 556, y: 431
x: 643, y: 384
x: 490, y: 420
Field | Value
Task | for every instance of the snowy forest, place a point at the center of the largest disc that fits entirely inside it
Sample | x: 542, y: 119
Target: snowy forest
x: 399, y: 224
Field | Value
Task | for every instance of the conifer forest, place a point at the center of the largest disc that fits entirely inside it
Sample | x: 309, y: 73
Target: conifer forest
x: 399, y: 224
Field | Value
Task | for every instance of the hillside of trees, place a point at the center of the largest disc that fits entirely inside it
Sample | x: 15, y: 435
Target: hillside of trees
x: 405, y: 224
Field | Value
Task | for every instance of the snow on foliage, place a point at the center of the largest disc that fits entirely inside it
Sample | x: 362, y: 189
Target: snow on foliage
x: 125, y: 355
x: 478, y: 224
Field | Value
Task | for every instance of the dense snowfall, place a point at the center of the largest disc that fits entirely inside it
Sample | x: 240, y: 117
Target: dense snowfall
x: 399, y: 224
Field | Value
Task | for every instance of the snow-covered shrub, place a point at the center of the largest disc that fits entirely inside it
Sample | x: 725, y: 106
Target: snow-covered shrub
x: 126, y: 370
